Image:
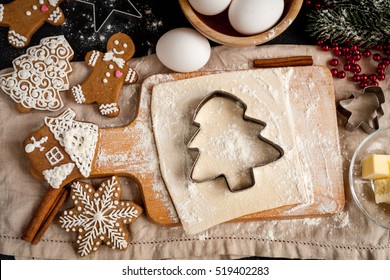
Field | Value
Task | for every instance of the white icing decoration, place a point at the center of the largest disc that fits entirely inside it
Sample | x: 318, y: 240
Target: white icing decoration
x: 78, y: 139
x: 58, y: 174
x: 42, y: 72
x: 16, y: 39
x: 116, y: 42
x: 56, y: 15
x: 108, y: 74
x: 111, y: 66
x: 106, y: 109
x: 35, y: 7
x: 105, y: 81
x: 28, y: 13
x: 131, y: 76
x: 109, y: 56
x: 52, y: 2
x: 94, y: 57
x: 35, y: 144
x: 78, y: 94
x: 99, y: 218
x: 1, y: 12
x: 41, y: 2
x: 54, y: 156
x: 125, y: 45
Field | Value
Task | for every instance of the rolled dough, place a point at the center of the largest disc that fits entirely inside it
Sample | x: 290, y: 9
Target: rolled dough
x: 203, y: 205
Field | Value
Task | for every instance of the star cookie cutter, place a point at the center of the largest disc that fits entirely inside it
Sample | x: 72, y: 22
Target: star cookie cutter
x: 363, y: 109
x: 240, y: 103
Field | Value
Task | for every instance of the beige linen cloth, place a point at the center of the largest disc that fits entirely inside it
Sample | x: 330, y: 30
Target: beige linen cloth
x: 347, y: 235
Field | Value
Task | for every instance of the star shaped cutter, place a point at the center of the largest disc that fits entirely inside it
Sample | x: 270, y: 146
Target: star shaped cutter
x: 370, y: 101
x: 113, y: 11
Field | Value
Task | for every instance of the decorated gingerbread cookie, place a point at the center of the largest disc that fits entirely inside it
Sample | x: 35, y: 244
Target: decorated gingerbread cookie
x: 99, y: 216
x: 109, y: 73
x: 25, y: 17
x: 62, y: 150
x: 40, y: 75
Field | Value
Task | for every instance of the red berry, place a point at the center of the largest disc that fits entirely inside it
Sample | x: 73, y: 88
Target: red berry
x: 356, y: 78
x: 357, y: 69
x: 386, y: 61
x: 325, y: 48
x: 363, y: 77
x: 366, y: 53
x: 364, y: 84
x: 334, y: 62
x: 376, y: 57
x: 347, y: 67
x: 381, y: 66
x: 354, y: 48
x: 341, y: 75
x: 381, y: 77
x: 320, y: 42
x: 372, y: 77
x: 375, y: 84
x: 356, y: 57
x: 308, y: 2
x: 380, y: 71
x: 318, y: 6
x: 337, y: 53
x: 334, y: 72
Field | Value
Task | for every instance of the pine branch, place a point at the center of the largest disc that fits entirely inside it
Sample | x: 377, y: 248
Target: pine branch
x: 366, y: 22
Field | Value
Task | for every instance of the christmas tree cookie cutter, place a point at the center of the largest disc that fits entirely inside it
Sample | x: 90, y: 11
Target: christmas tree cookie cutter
x: 363, y: 109
x: 194, y: 178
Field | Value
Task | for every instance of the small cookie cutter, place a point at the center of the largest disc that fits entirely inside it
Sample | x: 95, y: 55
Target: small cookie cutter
x: 238, y: 101
x: 370, y: 101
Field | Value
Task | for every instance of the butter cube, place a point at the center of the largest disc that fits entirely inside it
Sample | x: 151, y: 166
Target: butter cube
x: 382, y: 191
x: 376, y: 167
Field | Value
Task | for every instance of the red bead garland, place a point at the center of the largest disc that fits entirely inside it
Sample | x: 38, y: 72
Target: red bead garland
x: 348, y: 58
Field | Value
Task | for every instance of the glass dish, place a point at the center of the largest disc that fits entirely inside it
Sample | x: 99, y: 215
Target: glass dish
x: 362, y: 189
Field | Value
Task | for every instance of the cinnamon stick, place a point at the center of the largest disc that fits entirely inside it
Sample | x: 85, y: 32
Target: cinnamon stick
x: 46, y: 210
x: 49, y: 219
x: 283, y: 62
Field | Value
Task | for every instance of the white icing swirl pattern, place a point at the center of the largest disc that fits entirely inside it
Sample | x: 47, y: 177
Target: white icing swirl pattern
x: 40, y: 74
x: 78, y: 139
x: 1, y: 12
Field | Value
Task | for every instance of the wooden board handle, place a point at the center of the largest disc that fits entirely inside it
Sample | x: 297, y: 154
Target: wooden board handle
x: 283, y: 62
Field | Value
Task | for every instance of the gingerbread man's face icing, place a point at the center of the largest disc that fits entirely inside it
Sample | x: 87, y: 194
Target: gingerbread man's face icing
x: 121, y: 45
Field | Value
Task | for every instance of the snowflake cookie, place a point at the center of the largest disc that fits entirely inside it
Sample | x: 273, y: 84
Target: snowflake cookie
x: 24, y: 17
x: 99, y: 216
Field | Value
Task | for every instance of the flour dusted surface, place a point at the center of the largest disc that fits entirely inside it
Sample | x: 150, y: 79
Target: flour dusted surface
x: 203, y: 205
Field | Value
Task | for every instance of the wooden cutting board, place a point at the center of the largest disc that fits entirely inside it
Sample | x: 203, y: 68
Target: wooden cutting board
x: 313, y: 107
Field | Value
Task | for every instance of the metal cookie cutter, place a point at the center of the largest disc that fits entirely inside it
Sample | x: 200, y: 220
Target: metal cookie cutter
x: 363, y: 109
x: 240, y: 103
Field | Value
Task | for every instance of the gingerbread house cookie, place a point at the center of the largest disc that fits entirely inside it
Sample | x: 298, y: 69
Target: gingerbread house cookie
x: 109, y: 73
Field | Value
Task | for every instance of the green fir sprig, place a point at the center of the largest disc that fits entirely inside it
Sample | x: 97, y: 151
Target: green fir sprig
x: 359, y: 22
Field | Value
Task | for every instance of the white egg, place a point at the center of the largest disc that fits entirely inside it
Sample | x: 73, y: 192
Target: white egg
x: 209, y: 7
x: 183, y: 50
x: 251, y: 17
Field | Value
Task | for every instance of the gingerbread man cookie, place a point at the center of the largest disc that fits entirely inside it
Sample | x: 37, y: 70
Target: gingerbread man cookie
x: 39, y: 76
x: 99, y: 216
x: 24, y: 17
x: 110, y: 72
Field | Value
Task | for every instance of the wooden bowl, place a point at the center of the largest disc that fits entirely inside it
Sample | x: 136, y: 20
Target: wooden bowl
x: 218, y: 28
